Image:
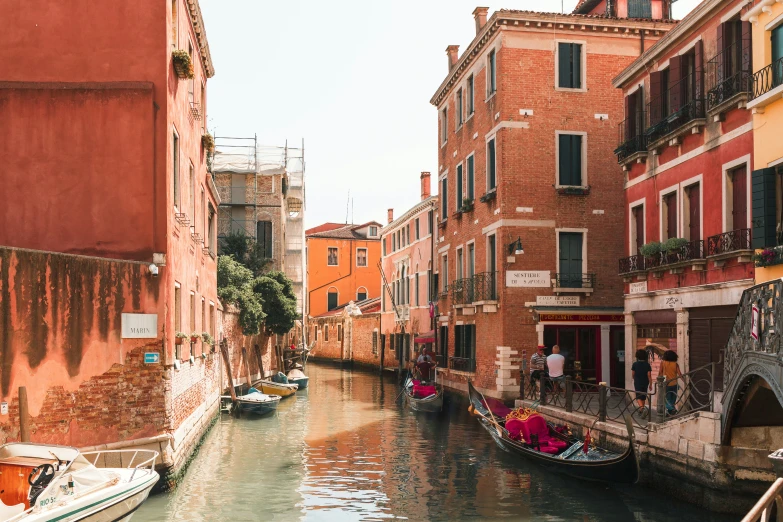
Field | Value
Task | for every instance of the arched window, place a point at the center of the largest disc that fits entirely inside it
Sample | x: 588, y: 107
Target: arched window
x: 402, y: 286
x: 361, y: 294
x: 331, y: 298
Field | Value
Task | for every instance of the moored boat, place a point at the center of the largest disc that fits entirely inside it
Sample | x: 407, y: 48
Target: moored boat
x: 275, y: 388
x: 297, y: 376
x: 257, y: 403
x: 424, y: 396
x: 45, y: 482
x: 526, y: 433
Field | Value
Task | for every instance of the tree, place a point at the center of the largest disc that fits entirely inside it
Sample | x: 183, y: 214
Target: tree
x: 235, y: 286
x: 245, y: 250
x: 276, y: 292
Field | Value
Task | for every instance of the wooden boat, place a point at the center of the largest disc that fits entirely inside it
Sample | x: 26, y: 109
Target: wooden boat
x: 45, y: 482
x: 297, y: 376
x: 427, y: 397
x: 552, y: 449
x: 257, y: 403
x: 274, y: 388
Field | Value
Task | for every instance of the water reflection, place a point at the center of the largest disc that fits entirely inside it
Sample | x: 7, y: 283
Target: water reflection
x: 348, y: 449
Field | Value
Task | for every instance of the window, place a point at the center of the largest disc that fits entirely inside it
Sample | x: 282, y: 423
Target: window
x: 459, y: 108
x: 394, y: 242
x: 373, y: 231
x: 444, y: 199
x: 429, y: 222
x: 175, y: 167
x: 570, y: 271
x: 404, y: 239
x: 444, y: 125
x: 331, y: 258
x: 192, y: 315
x: 459, y: 187
x: 212, y: 330
x: 491, y: 176
x: 203, y: 215
x: 174, y: 39
x: 637, y: 228
x: 326, y: 333
x: 416, y: 226
x: 465, y: 344
x: 408, y: 234
x: 361, y: 257
x: 177, y: 318
x: 569, y: 163
x: 492, y: 266
x: 339, y: 332
x: 192, y: 82
x: 738, y: 198
x: 383, y: 245
x: 640, y: 9
x: 443, y: 339
x: 491, y: 74
x: 399, y: 239
x: 459, y: 264
x: 203, y: 100
x: 211, y: 228
x: 203, y: 319
x: 192, y: 206
x: 430, y: 286
x: 471, y: 260
x: 331, y: 300
x: 264, y: 237
x: 669, y: 216
x: 469, y: 182
x: 444, y: 271
x: 470, y: 95
x: 692, y: 212
x: 416, y: 288
x: 569, y: 65
x: 361, y: 294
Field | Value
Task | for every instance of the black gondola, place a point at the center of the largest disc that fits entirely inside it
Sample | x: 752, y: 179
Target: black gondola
x: 570, y: 458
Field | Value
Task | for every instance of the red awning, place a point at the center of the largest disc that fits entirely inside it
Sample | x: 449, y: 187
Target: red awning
x: 427, y: 337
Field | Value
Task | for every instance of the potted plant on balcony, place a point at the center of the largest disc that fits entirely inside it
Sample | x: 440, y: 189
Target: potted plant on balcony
x: 183, y: 65
x: 765, y: 257
x: 208, y: 142
x: 208, y: 339
x: 467, y: 205
x: 651, y: 252
x: 195, y: 336
x: 180, y: 337
x: 675, y: 248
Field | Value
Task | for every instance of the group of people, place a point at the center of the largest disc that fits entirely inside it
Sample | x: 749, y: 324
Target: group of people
x: 553, y: 367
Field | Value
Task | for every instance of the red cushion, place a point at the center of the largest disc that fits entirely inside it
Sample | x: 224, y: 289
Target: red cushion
x: 535, y: 425
x: 420, y: 390
x: 514, y: 428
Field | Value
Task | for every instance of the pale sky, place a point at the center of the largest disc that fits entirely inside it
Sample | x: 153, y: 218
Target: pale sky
x: 351, y: 78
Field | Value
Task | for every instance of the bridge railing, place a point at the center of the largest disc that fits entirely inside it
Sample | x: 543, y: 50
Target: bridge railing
x: 769, y: 508
x: 688, y: 393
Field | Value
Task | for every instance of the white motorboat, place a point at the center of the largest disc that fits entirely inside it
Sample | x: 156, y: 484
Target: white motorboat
x: 44, y: 482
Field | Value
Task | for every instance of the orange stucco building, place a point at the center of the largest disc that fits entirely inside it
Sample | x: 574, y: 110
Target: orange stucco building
x: 342, y: 265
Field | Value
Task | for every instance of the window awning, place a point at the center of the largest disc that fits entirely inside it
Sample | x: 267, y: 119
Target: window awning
x: 427, y: 337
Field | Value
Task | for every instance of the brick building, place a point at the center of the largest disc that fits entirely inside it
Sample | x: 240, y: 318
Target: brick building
x: 407, y: 249
x: 111, y: 215
x: 342, y: 265
x: 528, y: 221
x: 686, y: 146
x: 349, y: 333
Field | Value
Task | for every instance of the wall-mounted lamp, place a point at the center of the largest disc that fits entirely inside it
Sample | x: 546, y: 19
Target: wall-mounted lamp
x: 516, y: 247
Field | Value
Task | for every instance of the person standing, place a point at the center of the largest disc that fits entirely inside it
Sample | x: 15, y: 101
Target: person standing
x: 556, y: 365
x: 671, y: 371
x: 537, y: 365
x: 641, y: 371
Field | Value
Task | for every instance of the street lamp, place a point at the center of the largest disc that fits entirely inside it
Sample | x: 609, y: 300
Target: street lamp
x: 516, y: 247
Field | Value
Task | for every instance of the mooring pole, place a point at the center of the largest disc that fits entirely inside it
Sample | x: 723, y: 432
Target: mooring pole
x: 24, y: 416
x: 224, y: 353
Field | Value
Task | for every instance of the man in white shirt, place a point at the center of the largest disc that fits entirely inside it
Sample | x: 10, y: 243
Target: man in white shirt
x: 556, y: 363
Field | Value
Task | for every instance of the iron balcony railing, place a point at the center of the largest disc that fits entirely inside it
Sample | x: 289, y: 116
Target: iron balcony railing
x: 631, y: 136
x: 690, y: 251
x: 462, y: 364
x: 677, y: 105
x: 632, y: 264
x: 729, y: 242
x: 729, y: 73
x: 575, y: 280
x: 768, y: 78
x: 480, y: 287
x: 462, y: 291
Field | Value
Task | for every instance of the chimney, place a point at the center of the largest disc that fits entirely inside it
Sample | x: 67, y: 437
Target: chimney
x: 391, y: 215
x: 426, y: 185
x: 453, y: 52
x: 480, y: 15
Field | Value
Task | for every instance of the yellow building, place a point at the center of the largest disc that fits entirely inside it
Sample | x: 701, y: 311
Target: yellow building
x: 766, y: 18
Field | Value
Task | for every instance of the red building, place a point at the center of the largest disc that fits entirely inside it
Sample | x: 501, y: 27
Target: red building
x: 686, y: 146
x: 528, y: 220
x: 103, y: 157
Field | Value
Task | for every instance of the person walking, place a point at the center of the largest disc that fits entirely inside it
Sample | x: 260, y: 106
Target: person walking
x: 537, y: 365
x: 641, y: 371
x: 671, y: 371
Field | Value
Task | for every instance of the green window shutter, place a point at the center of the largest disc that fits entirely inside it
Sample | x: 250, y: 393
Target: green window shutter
x: 576, y: 159
x: 564, y: 158
x: 764, y: 214
x: 470, y: 178
x: 564, y: 64
x: 576, y: 66
x: 459, y: 187
x: 491, y: 166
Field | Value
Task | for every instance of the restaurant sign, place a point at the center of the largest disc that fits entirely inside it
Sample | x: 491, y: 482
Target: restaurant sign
x: 582, y: 318
x: 529, y: 278
x: 139, y: 326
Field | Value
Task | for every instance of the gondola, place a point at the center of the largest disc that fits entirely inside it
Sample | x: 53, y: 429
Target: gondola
x: 552, y: 449
x: 427, y: 397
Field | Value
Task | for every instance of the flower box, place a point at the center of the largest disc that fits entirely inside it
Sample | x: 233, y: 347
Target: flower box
x: 183, y: 65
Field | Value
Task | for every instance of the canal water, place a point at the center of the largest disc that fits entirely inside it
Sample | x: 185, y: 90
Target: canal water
x: 347, y: 449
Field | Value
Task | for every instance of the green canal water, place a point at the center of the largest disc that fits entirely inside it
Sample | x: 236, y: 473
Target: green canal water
x: 346, y: 450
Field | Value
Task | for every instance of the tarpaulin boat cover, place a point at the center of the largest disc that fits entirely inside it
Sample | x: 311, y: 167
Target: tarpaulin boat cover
x: 427, y: 337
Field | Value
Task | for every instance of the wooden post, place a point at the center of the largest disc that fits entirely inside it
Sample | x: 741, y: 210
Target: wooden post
x: 260, y: 358
x: 24, y: 416
x: 224, y: 352
x: 247, y: 367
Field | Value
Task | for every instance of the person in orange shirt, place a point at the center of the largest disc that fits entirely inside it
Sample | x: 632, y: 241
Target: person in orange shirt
x: 671, y: 371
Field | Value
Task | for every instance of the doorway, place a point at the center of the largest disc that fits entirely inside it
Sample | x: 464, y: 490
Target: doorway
x: 617, y: 354
x: 581, y: 348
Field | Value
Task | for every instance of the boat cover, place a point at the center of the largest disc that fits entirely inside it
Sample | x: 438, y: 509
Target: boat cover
x: 280, y: 378
x: 424, y: 338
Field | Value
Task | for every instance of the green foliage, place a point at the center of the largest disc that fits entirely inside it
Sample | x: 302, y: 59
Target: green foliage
x: 650, y: 249
x: 276, y: 293
x: 675, y: 243
x: 235, y: 286
x: 245, y: 250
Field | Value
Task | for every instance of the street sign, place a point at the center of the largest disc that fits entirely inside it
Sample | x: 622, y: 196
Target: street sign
x: 528, y: 278
x: 151, y: 358
x: 139, y: 326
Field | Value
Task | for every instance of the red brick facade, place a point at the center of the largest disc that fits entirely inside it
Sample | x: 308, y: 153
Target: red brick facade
x: 342, y: 336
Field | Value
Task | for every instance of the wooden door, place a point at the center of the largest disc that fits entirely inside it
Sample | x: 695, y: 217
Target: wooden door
x: 739, y: 185
x: 671, y: 215
x: 694, y: 213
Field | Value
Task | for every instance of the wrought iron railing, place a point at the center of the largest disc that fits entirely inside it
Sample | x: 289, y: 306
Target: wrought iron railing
x: 690, y: 251
x: 768, y: 78
x: 462, y: 291
x: 728, y: 73
x: 729, y: 242
x: 690, y: 392
x: 462, y: 364
x: 631, y: 136
x: 480, y: 287
x: 678, y: 105
x: 632, y: 264
x: 574, y: 280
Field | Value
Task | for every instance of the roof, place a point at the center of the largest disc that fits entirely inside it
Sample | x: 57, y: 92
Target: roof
x: 585, y: 6
x: 367, y: 306
x: 325, y: 226
x: 201, y: 36
x: 415, y: 209
x: 348, y: 231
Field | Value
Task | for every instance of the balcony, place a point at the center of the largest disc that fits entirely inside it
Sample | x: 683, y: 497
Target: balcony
x: 729, y: 79
x: 675, y: 112
x: 632, y: 140
x: 677, y: 258
x: 564, y: 283
x: 195, y: 111
x: 479, y: 291
x: 769, y: 256
x: 729, y: 245
x: 767, y: 86
x: 632, y: 265
x: 462, y: 364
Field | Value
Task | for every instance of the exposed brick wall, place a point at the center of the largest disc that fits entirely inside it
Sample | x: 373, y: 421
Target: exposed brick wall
x: 362, y: 329
x: 357, y: 342
x: 236, y: 340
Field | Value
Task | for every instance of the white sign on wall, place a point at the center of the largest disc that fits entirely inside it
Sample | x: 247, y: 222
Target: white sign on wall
x: 638, y: 288
x: 139, y: 326
x: 529, y: 278
x: 555, y: 300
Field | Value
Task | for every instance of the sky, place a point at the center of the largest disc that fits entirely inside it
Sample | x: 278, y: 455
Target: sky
x: 353, y: 80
